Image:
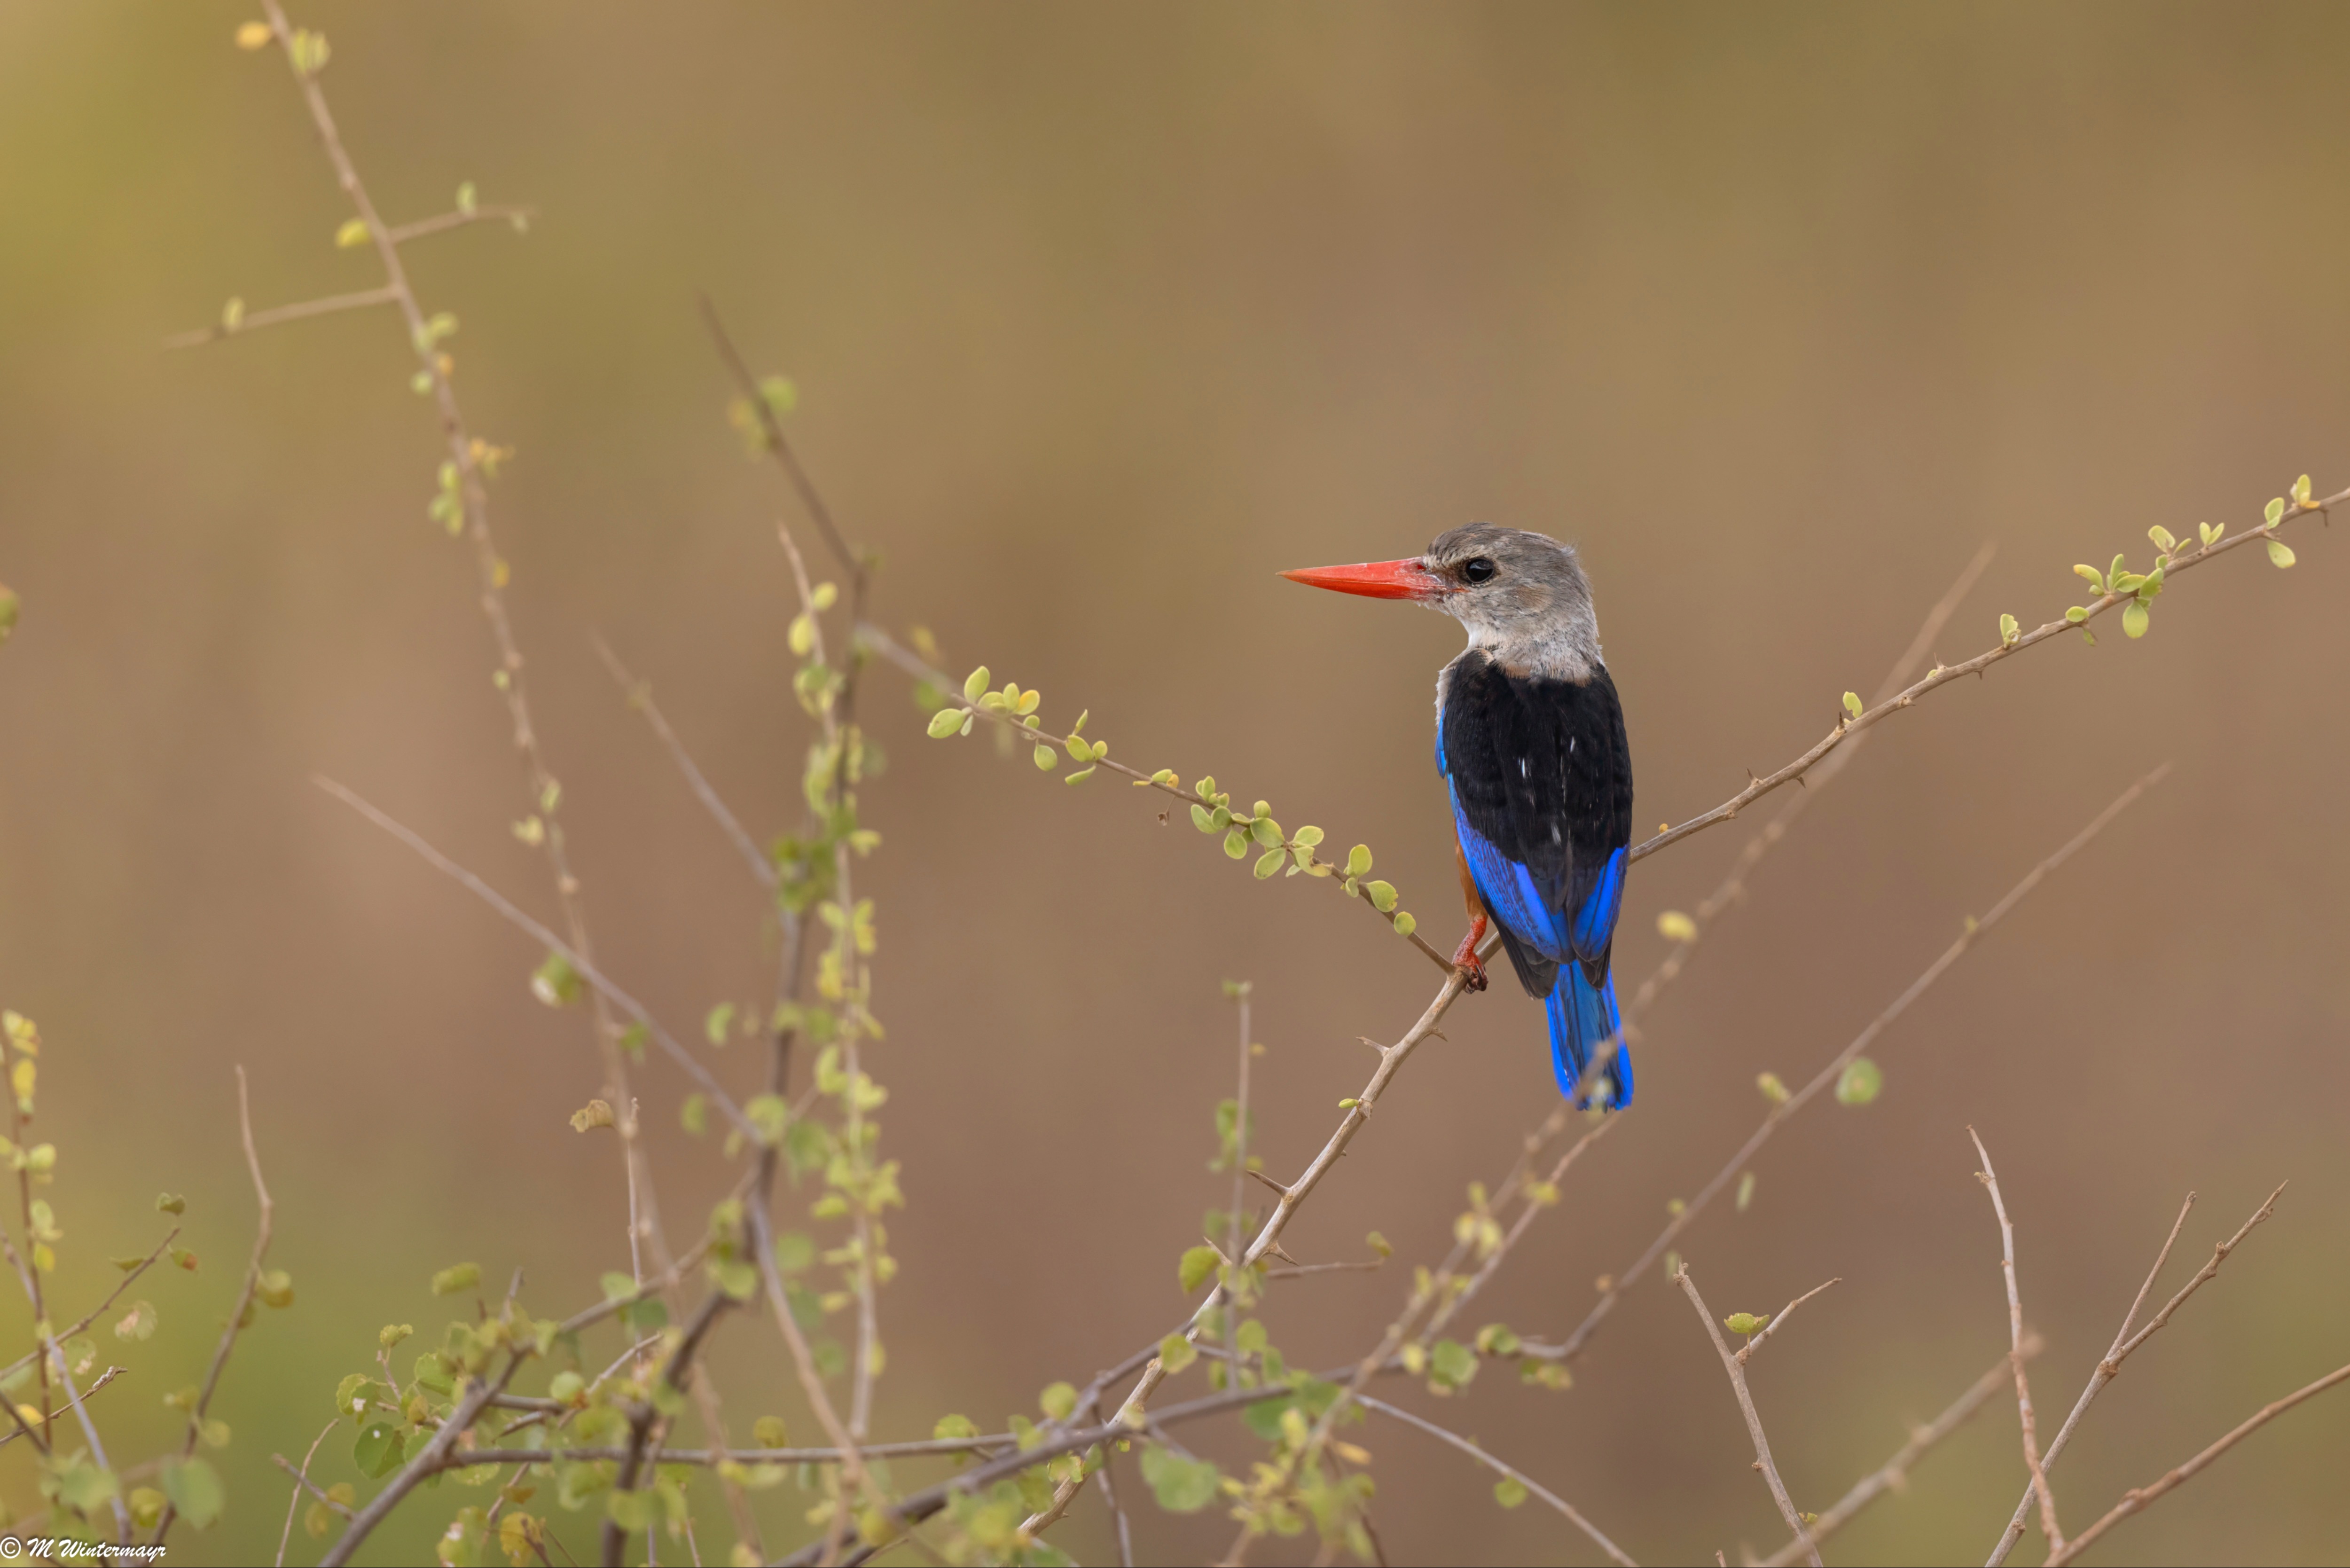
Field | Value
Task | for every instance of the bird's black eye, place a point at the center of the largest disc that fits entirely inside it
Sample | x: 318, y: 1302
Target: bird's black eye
x: 1477, y: 568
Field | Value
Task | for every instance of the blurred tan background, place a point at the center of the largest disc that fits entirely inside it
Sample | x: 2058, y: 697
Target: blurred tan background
x: 1100, y: 316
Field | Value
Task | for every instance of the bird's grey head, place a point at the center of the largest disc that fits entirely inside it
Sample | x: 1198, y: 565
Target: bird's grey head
x: 1522, y: 597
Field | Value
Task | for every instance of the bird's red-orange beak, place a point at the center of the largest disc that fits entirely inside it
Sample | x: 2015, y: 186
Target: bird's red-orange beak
x: 1375, y: 579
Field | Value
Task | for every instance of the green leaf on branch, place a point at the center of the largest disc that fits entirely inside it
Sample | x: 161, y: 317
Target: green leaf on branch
x: 1450, y: 1366
x: 462, y: 1277
x: 378, y: 1450
x: 1176, y: 1352
x: 1383, y: 895
x: 945, y: 722
x: 1358, y: 861
x: 2280, y: 554
x: 2274, y: 511
x: 1198, y: 1263
x: 2134, y: 619
x: 1180, y: 1485
x: 1270, y: 862
x: 1509, y: 1491
x: 1861, y: 1082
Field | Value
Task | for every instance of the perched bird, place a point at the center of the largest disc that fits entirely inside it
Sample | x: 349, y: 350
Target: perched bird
x: 1530, y: 739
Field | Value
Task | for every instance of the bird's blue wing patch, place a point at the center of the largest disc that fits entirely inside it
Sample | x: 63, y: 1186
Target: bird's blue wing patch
x: 1509, y: 892
x: 1594, y: 922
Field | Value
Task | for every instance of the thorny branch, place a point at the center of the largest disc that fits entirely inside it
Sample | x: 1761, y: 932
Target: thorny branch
x: 2138, y: 1498
x: 1736, y: 1368
x: 1828, y: 1074
x: 2125, y: 1342
x: 2048, y: 1526
x: 1894, y: 1473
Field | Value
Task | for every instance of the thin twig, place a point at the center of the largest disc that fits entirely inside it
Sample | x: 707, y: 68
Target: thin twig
x: 2048, y: 1526
x: 237, y: 1317
x: 465, y: 461
x: 1778, y: 1321
x: 1827, y: 1076
x: 1614, y: 1553
x: 640, y: 696
x: 276, y: 315
x: 779, y: 447
x: 1894, y: 1474
x: 302, y: 1483
x: 1730, y: 1364
x: 517, y: 218
x: 2124, y: 1343
x: 1109, y: 1496
x: 873, y: 637
x: 645, y: 1420
x: 2138, y: 1498
x: 853, y: 1468
x: 1240, y: 1189
x: 99, y: 1311
x: 1943, y: 675
x: 585, y: 968
x: 104, y: 1377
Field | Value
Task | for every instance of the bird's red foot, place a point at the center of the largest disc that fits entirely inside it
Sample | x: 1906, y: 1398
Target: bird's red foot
x: 1471, y: 967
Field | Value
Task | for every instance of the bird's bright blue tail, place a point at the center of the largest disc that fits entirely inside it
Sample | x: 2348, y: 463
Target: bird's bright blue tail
x: 1581, y: 1017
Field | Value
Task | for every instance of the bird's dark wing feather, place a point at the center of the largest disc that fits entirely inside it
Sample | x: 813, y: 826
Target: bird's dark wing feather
x: 1541, y: 775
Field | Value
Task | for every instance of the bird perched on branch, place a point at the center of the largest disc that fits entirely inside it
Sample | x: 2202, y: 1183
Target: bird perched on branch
x: 1530, y: 739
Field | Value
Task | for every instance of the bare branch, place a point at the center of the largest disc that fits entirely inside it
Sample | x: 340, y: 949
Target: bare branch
x: 1778, y: 1321
x: 640, y: 696
x: 779, y: 447
x: 104, y: 1377
x: 1737, y: 1370
x: 516, y: 218
x: 579, y: 961
x: 1827, y: 1076
x: 2048, y: 1526
x: 1894, y: 1474
x: 1733, y: 885
x: 2136, y: 1498
x: 2124, y: 1343
x: 99, y: 1311
x: 239, y: 322
x: 1614, y: 1553
x: 302, y: 1483
x: 237, y: 1317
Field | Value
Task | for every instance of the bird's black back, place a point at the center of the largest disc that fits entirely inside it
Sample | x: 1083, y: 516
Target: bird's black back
x: 1542, y: 770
